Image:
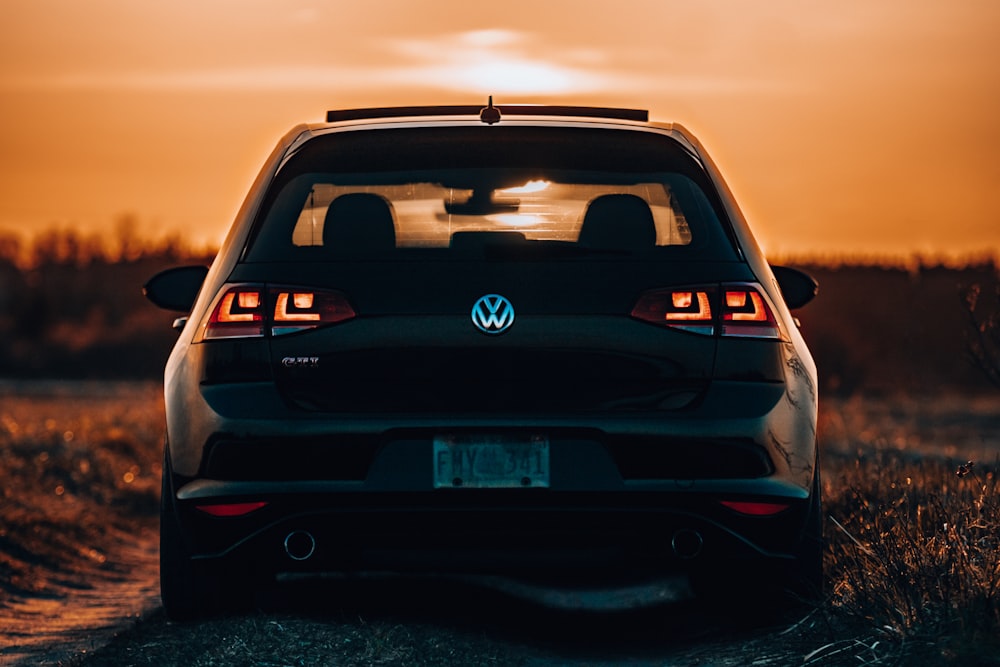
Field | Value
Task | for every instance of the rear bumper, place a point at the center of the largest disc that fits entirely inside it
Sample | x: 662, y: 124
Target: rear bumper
x: 381, y: 512
x: 528, y: 535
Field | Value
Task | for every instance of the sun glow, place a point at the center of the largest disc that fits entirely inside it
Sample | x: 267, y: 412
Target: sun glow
x: 516, y: 219
x: 514, y: 77
x: 527, y: 188
x: 495, y: 61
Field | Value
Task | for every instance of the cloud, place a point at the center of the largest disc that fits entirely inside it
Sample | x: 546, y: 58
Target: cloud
x: 255, y: 78
x: 492, y: 61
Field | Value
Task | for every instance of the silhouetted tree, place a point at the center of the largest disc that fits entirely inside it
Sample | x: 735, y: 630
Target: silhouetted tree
x: 130, y: 246
x: 10, y: 249
x: 984, y: 331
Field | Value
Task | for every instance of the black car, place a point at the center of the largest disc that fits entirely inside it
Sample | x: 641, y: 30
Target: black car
x: 525, y: 341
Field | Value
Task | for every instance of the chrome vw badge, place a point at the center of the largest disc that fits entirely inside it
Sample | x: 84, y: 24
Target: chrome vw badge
x: 492, y: 314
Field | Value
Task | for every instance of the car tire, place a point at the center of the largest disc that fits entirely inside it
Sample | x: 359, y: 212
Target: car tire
x: 183, y: 588
x: 189, y: 590
x: 808, y: 573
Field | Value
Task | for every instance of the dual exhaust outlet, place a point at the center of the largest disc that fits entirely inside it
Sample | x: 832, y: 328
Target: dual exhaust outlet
x: 686, y: 543
x: 300, y: 545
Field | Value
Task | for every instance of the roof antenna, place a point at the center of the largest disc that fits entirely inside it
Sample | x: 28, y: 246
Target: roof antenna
x: 490, y: 114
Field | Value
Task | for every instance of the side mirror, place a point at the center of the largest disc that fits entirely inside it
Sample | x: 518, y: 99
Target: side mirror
x: 177, y: 288
x: 798, y: 287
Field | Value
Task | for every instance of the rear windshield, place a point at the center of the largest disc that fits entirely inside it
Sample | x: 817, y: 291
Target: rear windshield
x: 521, y: 191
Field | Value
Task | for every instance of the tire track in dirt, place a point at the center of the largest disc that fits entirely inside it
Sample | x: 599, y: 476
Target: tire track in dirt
x: 79, y: 487
x: 78, y: 612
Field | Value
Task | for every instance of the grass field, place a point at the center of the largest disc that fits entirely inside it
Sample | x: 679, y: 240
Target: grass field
x: 913, y: 551
x: 913, y: 528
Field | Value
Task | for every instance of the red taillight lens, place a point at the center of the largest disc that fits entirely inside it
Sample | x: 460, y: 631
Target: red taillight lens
x: 746, y: 313
x: 238, y: 314
x: 297, y: 310
x: 686, y: 309
x: 252, y: 311
x: 230, y: 509
x: 755, y: 508
x: 742, y: 310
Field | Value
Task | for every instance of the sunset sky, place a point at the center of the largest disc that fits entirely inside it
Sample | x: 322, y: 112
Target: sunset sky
x: 842, y: 127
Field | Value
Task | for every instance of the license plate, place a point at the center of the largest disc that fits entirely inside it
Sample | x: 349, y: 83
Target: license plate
x: 490, y: 461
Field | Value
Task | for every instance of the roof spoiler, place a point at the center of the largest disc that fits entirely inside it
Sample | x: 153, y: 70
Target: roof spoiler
x: 639, y: 115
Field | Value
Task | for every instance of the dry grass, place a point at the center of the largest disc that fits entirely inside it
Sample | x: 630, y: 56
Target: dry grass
x: 913, y: 555
x: 80, y: 467
x: 916, y: 547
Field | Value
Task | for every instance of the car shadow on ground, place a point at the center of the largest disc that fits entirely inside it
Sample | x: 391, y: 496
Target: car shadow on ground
x: 604, y: 624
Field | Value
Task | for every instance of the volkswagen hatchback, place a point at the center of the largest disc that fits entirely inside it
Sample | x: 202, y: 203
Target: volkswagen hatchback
x: 524, y: 341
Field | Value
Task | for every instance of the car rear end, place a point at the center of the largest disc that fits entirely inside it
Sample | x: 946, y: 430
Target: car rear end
x: 535, y: 348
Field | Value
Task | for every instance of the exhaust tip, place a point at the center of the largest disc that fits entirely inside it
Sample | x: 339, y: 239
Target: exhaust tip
x: 300, y: 545
x: 687, y: 543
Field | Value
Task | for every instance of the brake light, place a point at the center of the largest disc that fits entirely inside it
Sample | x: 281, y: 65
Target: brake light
x: 302, y: 304
x: 296, y: 310
x: 732, y: 309
x: 230, y: 509
x: 238, y: 314
x: 754, y: 508
x: 687, y: 309
x: 253, y: 311
x: 746, y: 314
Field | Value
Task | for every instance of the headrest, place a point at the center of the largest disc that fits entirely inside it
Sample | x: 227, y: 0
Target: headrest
x: 359, y: 221
x: 618, y: 222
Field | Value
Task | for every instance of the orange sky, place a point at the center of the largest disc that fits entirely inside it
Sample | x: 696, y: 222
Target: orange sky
x: 851, y: 126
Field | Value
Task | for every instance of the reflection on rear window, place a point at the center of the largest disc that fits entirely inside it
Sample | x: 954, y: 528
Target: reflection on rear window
x: 428, y: 214
x: 339, y: 198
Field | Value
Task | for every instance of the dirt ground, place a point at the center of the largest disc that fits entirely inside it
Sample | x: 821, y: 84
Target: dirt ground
x: 454, y: 623
x: 78, y: 566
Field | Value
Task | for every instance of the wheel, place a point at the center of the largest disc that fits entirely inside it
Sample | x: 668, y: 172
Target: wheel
x: 184, y: 589
x: 188, y: 588
x: 808, y: 572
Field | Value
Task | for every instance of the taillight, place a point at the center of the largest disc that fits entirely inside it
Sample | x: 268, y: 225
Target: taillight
x: 298, y: 310
x: 732, y: 309
x: 687, y: 309
x: 253, y: 311
x: 238, y: 314
x: 755, y: 508
x: 745, y: 313
x: 231, y: 509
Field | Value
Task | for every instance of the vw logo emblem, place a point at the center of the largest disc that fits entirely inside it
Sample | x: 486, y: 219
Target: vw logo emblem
x: 492, y: 314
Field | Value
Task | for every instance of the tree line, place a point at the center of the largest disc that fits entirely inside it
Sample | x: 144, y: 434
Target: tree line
x: 71, y: 306
x: 68, y: 246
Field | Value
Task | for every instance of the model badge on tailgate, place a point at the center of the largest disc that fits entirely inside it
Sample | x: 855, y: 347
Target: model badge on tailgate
x: 300, y: 362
